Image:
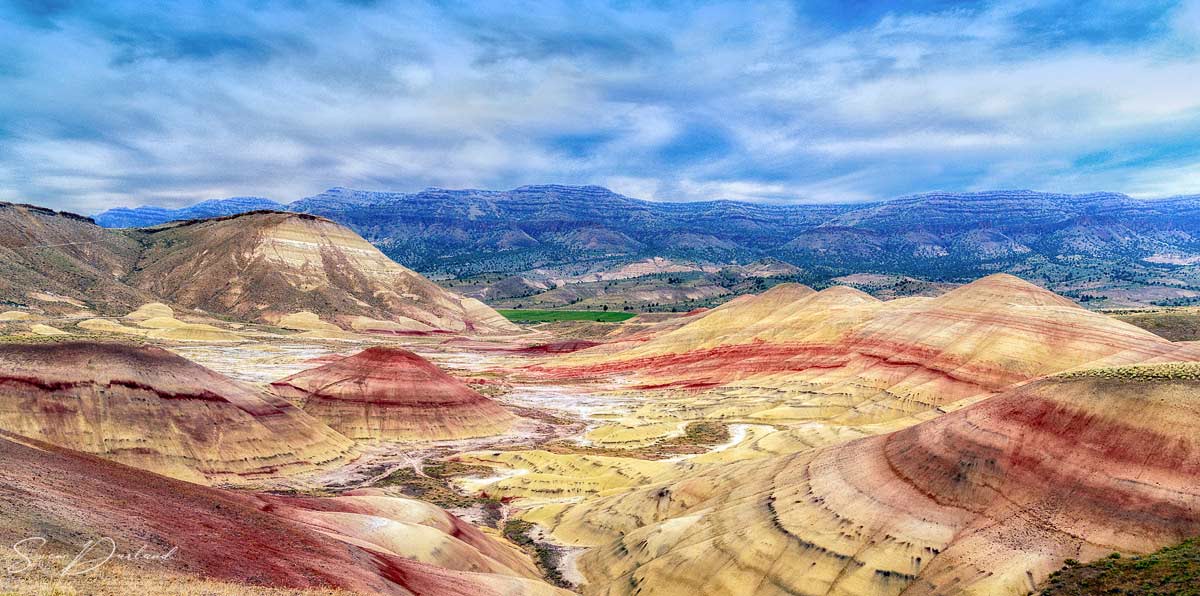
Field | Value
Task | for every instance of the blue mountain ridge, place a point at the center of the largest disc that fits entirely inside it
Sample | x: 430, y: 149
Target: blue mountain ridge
x: 1062, y: 239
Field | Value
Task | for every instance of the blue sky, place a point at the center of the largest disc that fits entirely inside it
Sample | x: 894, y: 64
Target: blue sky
x: 125, y: 103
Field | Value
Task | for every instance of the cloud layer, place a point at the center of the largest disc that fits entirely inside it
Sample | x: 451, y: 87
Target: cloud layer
x: 125, y: 103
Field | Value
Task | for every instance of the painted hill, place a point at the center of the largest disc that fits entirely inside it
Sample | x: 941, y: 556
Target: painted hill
x: 1068, y: 242
x: 391, y: 394
x: 989, y: 499
x: 408, y: 528
x: 228, y: 540
x: 845, y: 357
x: 149, y: 408
x: 265, y: 266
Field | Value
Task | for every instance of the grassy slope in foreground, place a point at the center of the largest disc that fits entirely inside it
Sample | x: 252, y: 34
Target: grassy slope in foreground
x: 547, y: 316
x: 1174, y: 570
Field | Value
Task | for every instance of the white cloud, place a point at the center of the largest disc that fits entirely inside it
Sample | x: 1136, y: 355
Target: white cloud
x: 642, y: 188
x: 919, y: 142
x: 404, y: 96
x: 1183, y: 179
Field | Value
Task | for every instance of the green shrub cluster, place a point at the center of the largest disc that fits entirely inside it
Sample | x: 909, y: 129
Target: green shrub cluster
x: 1172, y: 571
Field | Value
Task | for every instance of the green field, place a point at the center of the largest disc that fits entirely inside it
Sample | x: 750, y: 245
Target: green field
x: 547, y: 316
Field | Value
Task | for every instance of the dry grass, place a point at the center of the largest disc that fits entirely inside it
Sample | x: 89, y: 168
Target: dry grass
x: 119, y: 579
x: 1172, y: 371
x: 1174, y: 324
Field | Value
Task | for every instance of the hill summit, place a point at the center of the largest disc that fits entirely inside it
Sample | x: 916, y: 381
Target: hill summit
x: 267, y: 265
x: 259, y: 266
x: 393, y: 394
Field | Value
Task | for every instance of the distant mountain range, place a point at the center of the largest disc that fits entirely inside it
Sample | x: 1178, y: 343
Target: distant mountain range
x: 148, y: 215
x: 1106, y: 247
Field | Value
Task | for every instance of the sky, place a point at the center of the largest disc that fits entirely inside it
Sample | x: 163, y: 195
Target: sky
x: 119, y: 103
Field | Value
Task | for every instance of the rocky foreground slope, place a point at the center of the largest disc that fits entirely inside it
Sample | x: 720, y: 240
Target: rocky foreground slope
x: 391, y: 394
x: 986, y: 500
x: 149, y: 408
x: 361, y: 543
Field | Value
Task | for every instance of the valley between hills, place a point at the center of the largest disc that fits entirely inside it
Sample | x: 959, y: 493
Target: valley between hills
x: 266, y: 403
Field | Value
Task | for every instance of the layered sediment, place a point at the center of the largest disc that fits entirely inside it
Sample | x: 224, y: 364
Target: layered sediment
x: 149, y: 408
x: 986, y: 500
x: 391, y: 394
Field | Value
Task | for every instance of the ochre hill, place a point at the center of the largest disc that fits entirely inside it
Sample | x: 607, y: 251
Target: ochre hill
x: 265, y: 266
x: 845, y: 357
x: 226, y: 540
x: 391, y: 394
x: 152, y: 409
x: 986, y: 500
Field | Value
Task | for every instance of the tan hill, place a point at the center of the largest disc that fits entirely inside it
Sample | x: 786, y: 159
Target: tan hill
x: 259, y: 267
x: 56, y: 263
x: 157, y: 321
x: 265, y: 266
x: 152, y: 409
x: 231, y: 542
x: 986, y: 500
x: 846, y: 357
x: 391, y: 394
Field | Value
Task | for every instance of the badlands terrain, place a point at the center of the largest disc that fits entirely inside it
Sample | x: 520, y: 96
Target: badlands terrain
x: 265, y: 403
